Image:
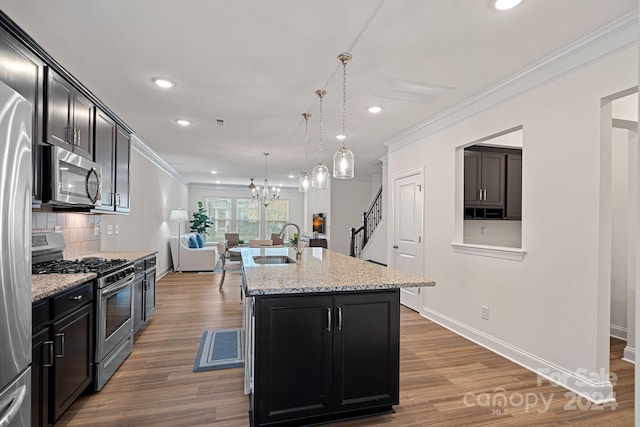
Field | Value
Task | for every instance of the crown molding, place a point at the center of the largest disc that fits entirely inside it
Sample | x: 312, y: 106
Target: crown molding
x: 612, y: 38
x: 146, y: 151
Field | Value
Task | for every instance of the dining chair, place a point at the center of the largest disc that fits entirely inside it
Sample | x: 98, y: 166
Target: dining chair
x: 226, y: 266
x: 277, y: 241
x: 232, y: 241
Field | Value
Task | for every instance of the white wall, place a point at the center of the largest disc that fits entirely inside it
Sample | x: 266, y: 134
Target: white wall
x: 349, y: 200
x: 619, y: 232
x: 153, y: 194
x: 319, y: 201
x: 550, y: 308
x: 201, y: 192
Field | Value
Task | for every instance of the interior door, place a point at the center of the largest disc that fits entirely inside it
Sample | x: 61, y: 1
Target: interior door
x: 407, y: 242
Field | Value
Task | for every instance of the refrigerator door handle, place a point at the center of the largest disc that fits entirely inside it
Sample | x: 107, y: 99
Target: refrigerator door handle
x: 14, y: 406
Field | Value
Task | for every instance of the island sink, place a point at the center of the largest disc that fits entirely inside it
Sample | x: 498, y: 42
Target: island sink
x: 273, y: 259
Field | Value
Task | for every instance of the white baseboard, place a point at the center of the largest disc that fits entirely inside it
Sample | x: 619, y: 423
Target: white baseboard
x: 591, y: 387
x: 629, y: 354
x: 619, y: 332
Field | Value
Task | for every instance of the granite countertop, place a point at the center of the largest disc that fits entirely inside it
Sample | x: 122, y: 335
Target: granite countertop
x: 46, y: 285
x: 319, y: 270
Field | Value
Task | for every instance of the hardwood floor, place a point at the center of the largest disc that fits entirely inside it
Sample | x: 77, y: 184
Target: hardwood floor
x: 156, y: 385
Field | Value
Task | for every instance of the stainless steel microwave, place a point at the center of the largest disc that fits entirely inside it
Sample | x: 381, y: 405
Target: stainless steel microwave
x: 72, y: 179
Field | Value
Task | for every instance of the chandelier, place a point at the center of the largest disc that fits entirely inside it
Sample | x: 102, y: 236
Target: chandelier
x: 264, y: 196
x: 343, y: 161
x: 320, y: 173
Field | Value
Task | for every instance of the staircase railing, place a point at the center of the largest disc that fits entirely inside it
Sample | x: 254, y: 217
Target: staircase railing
x: 370, y: 220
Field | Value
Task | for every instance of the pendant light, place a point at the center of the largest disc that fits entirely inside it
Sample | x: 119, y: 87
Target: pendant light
x: 320, y: 173
x: 343, y: 161
x: 304, y: 182
x: 264, y: 196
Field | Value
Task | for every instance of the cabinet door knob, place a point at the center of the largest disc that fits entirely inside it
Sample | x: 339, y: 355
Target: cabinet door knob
x: 395, y: 246
x: 77, y: 298
x: 339, y: 318
x: 329, y: 319
x: 50, y: 362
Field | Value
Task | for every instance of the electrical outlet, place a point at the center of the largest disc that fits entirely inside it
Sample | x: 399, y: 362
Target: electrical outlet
x: 485, y: 312
x: 109, y: 229
x: 117, y: 229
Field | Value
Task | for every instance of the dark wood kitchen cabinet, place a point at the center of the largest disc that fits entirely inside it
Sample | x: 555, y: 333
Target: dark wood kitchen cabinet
x: 144, y: 291
x: 24, y: 72
x: 323, y: 357
x: 62, y: 351
x: 112, y: 152
x: 492, y: 183
x: 70, y: 116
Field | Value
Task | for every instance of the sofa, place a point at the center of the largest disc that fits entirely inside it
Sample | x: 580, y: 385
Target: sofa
x: 193, y: 259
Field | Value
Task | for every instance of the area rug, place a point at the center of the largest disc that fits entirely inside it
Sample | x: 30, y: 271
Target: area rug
x: 219, y: 349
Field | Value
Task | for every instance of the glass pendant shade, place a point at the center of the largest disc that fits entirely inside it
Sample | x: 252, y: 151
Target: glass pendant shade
x: 304, y: 182
x: 343, y: 163
x: 320, y: 176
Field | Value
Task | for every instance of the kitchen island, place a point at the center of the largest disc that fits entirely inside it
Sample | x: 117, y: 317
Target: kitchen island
x: 322, y: 335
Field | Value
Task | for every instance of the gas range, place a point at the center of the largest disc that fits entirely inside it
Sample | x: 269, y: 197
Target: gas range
x: 101, y: 266
x: 47, y: 251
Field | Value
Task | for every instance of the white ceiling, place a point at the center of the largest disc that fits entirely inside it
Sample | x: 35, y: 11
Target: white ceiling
x: 257, y: 64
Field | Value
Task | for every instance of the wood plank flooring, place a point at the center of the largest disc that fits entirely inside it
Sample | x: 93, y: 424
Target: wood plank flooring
x: 156, y: 385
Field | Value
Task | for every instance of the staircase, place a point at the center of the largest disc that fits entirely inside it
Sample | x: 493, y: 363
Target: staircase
x: 370, y: 220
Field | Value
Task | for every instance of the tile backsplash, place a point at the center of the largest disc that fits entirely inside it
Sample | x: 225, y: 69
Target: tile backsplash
x: 81, y: 232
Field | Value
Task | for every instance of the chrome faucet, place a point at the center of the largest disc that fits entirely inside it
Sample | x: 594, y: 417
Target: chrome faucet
x: 298, y: 248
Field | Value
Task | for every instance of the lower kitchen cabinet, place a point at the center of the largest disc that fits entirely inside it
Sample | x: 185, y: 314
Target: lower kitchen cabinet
x: 62, y: 351
x: 325, y: 357
x: 73, y: 351
x: 144, y: 291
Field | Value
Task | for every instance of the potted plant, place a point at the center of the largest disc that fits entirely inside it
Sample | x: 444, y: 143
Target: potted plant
x: 200, y: 221
x: 294, y: 240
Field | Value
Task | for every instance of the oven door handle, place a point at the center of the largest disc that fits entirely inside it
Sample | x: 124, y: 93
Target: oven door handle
x: 110, y: 290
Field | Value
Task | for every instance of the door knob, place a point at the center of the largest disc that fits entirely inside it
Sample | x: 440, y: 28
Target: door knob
x: 395, y: 246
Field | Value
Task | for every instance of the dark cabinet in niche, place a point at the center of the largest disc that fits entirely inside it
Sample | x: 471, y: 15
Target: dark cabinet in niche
x: 489, y: 191
x: 325, y: 357
x: 112, y: 152
x: 24, y: 73
x: 62, y: 350
x: 70, y: 116
x: 144, y: 291
x: 514, y: 186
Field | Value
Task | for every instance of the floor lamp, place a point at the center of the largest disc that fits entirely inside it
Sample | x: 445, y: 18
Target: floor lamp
x: 179, y: 215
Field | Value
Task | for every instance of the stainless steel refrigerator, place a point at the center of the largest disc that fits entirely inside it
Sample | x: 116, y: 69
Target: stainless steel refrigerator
x: 15, y: 258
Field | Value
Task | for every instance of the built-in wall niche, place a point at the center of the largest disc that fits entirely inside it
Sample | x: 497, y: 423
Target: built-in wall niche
x: 492, y: 188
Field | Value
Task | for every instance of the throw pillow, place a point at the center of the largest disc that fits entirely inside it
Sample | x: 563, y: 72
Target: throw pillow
x: 200, y: 240
x: 193, y: 243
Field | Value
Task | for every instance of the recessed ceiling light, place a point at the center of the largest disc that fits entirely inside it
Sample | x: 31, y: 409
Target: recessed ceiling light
x: 164, y: 83
x: 505, y: 4
x: 183, y: 122
x: 375, y: 109
x: 291, y: 176
x: 218, y: 182
x: 214, y: 172
x: 341, y: 137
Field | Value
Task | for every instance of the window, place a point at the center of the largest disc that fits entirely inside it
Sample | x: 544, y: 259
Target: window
x: 277, y: 214
x: 248, y: 219
x: 220, y: 214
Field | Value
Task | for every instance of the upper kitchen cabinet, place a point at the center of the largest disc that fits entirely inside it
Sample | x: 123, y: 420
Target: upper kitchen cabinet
x: 112, y: 152
x: 492, y: 183
x: 21, y: 70
x: 69, y: 116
